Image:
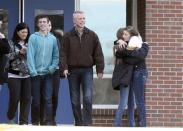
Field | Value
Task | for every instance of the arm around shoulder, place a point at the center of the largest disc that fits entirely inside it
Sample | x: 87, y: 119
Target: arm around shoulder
x: 142, y: 52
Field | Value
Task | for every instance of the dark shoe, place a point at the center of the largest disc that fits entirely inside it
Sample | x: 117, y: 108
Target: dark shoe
x: 54, y: 123
x: 23, y: 123
x: 35, y: 124
x: 87, y: 125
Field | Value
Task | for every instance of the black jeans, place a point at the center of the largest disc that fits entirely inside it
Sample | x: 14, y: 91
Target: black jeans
x: 19, y: 91
x: 56, y: 84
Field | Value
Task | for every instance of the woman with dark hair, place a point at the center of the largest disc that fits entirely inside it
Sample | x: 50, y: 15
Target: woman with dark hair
x: 18, y: 75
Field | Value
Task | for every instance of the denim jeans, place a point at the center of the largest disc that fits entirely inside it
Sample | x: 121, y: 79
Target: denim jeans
x: 42, y: 87
x: 56, y: 85
x: 126, y: 98
x: 81, y: 77
x: 0, y: 87
x: 139, y: 79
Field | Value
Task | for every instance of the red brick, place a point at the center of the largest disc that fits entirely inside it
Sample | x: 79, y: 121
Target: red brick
x: 161, y: 21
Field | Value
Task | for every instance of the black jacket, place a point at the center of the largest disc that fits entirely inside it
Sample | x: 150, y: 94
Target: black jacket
x: 4, y: 49
x: 84, y: 51
x: 135, y: 57
x: 131, y: 60
x: 121, y: 75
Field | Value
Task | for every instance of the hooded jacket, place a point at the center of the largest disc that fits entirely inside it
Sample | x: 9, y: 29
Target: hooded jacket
x: 4, y: 49
x: 42, y: 54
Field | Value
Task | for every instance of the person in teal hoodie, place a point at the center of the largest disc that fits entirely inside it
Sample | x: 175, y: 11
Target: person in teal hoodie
x: 42, y: 59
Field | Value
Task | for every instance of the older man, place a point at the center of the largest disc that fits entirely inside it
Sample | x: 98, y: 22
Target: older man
x: 80, y: 50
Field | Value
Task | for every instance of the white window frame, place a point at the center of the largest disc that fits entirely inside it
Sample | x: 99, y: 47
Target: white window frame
x: 134, y: 23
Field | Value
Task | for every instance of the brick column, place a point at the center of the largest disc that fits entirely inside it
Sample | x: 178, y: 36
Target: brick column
x: 164, y: 92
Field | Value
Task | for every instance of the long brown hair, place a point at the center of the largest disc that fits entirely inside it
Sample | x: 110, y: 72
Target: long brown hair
x: 132, y: 31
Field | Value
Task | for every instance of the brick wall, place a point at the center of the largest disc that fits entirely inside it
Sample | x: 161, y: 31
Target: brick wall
x: 105, y: 117
x: 164, y: 92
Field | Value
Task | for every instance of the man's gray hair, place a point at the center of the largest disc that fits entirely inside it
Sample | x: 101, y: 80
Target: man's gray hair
x: 77, y: 12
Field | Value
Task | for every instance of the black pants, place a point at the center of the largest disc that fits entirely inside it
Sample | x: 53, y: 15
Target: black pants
x: 19, y: 91
x: 56, y: 84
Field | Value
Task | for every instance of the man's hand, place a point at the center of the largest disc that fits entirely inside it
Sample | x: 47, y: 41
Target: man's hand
x: 66, y: 73
x: 100, y: 75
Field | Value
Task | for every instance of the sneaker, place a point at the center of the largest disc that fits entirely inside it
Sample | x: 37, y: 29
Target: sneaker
x: 11, y: 121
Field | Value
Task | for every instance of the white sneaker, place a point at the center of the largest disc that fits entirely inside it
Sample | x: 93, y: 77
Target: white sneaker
x: 11, y: 122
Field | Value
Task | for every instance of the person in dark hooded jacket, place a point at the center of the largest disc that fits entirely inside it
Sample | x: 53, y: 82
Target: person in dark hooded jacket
x: 4, y: 49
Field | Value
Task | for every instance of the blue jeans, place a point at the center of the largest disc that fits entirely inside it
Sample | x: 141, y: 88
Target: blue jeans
x: 42, y: 87
x: 126, y: 98
x: 138, y: 80
x: 81, y: 77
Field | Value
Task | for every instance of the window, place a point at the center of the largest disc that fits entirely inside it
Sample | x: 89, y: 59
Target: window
x: 56, y: 17
x: 105, y: 17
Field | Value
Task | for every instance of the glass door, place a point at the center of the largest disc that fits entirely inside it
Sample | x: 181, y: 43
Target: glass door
x: 60, y: 12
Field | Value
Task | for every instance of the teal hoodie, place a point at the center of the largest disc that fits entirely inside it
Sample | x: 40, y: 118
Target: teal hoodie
x: 42, y: 54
